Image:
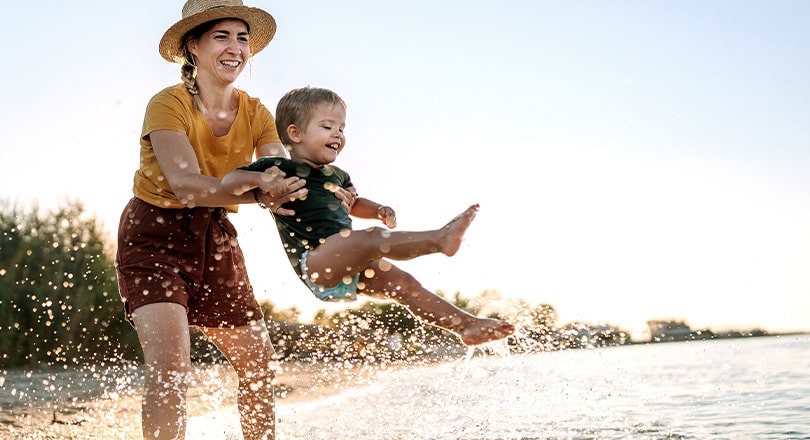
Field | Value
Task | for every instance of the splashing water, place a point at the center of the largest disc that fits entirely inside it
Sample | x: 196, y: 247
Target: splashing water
x: 748, y: 388
x: 498, y: 348
x: 95, y: 402
x: 708, y: 389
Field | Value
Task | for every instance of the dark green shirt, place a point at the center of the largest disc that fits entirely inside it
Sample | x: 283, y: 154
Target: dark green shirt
x: 317, y: 216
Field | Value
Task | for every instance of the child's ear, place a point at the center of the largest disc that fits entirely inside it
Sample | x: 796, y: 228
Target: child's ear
x: 294, y: 133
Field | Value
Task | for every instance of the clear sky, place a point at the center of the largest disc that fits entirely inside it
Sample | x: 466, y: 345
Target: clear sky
x: 633, y: 160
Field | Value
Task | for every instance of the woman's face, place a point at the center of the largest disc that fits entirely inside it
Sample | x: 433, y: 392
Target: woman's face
x: 222, y: 51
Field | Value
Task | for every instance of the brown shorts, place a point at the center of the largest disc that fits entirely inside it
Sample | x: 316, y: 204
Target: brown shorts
x: 184, y: 256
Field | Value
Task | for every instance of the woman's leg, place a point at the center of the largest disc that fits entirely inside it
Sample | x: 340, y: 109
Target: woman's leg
x: 357, y: 249
x: 163, y: 331
x: 386, y: 281
x: 251, y: 354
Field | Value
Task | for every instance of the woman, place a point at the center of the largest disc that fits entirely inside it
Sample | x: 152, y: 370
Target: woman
x: 178, y: 259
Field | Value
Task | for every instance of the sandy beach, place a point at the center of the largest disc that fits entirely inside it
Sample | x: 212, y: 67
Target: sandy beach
x: 74, y: 411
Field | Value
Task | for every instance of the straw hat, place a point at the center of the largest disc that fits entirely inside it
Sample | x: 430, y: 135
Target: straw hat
x: 196, y: 12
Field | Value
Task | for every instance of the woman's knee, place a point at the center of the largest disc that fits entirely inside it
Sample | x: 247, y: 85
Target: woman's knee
x: 163, y: 333
x: 248, y: 349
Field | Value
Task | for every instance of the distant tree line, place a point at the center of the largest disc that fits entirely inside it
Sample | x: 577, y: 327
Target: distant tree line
x: 59, y: 301
x: 59, y: 305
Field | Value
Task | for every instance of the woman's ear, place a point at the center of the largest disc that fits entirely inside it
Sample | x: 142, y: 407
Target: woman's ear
x: 191, y: 46
x: 294, y: 133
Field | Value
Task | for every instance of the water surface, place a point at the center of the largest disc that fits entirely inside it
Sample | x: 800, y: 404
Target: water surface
x: 754, y: 388
x: 751, y: 388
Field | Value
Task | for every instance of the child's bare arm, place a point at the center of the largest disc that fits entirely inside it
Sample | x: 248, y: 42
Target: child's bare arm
x: 365, y: 208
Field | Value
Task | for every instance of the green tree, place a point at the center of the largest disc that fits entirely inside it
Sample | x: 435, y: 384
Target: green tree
x: 273, y: 313
x: 59, y: 299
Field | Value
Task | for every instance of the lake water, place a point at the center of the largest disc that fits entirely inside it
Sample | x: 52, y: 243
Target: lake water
x: 755, y: 388
x: 751, y: 388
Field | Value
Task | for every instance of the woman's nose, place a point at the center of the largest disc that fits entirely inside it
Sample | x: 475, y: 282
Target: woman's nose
x: 234, y: 48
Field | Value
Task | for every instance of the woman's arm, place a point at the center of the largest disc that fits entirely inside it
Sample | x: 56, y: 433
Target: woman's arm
x: 271, y: 181
x: 179, y: 164
x: 273, y: 149
x: 182, y: 171
x: 270, y: 188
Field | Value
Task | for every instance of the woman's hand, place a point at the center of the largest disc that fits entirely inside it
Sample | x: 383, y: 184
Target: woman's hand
x: 347, y: 197
x: 274, y: 190
x: 274, y: 182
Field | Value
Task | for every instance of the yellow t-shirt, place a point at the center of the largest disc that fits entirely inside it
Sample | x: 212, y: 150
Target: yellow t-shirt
x: 173, y: 109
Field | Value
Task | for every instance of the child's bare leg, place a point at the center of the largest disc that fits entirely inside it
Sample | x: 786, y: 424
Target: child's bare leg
x: 358, y: 249
x: 390, y: 282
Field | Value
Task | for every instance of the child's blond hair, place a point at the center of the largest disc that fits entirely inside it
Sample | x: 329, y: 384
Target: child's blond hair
x: 295, y: 108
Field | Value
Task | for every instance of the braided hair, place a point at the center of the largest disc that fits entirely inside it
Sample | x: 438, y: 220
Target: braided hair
x: 188, y: 73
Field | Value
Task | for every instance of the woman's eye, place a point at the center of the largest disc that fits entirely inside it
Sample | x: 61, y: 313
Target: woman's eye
x: 243, y: 39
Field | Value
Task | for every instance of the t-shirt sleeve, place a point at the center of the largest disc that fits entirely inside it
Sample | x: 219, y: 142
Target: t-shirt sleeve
x: 164, y: 112
x: 267, y: 132
x: 345, y: 179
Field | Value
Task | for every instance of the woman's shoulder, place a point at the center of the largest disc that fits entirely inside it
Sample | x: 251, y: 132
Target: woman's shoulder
x: 173, y: 93
x: 170, y: 109
x: 174, y: 90
x: 251, y: 104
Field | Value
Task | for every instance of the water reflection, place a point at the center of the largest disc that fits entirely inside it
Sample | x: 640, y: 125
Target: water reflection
x: 744, y: 388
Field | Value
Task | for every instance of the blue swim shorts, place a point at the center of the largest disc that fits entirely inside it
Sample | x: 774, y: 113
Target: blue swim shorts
x: 341, y: 292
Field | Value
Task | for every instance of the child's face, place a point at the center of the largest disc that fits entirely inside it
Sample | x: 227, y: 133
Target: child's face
x: 321, y: 140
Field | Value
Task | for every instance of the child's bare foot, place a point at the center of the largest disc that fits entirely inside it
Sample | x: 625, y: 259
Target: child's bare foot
x: 484, y: 330
x: 453, y: 232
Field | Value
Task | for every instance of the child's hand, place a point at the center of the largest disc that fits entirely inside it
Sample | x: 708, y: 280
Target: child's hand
x: 387, y: 215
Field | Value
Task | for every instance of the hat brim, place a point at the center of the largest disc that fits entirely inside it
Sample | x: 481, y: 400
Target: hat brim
x: 262, y: 29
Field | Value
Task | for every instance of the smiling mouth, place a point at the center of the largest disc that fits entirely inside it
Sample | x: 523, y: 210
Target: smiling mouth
x: 332, y: 146
x: 230, y: 63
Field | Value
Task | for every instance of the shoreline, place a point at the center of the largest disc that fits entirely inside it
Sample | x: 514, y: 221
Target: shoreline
x: 73, y: 412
